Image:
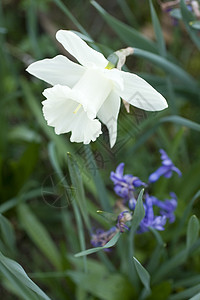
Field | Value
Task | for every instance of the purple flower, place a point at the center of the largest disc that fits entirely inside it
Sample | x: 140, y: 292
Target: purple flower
x: 167, y: 207
x: 150, y: 220
x: 101, y: 237
x: 132, y: 203
x: 165, y: 170
x: 123, y: 217
x: 124, y: 185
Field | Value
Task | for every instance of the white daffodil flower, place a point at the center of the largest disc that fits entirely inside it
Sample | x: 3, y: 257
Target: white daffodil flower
x: 89, y: 90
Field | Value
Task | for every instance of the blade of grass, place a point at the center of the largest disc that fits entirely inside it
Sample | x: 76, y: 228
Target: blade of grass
x: 77, y: 183
x: 158, y: 31
x: 143, y: 275
x: 138, y: 215
x: 100, y: 187
x: 111, y: 243
x: 185, y: 215
x: 39, y: 235
x: 16, y: 274
x: 67, y: 12
x: 77, y: 214
x: 128, y: 35
x: 167, y: 66
x: 192, y: 231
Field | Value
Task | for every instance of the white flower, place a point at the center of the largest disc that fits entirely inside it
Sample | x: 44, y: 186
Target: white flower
x: 82, y: 93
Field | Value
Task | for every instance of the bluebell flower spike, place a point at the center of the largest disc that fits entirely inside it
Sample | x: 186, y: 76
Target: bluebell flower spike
x: 165, y: 170
x: 124, y: 185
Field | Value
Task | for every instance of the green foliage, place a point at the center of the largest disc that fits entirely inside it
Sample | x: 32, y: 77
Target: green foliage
x: 54, y: 193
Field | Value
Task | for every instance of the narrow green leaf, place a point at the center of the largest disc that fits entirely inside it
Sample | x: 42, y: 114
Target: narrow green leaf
x: 100, y: 186
x: 127, y: 34
x: 80, y: 227
x: 158, y: 31
x: 103, y: 285
x: 154, y: 261
x: 182, y: 121
x: 189, y: 17
x: 167, y: 66
x: 32, y: 27
x: 176, y: 13
x: 143, y: 274
x: 195, y: 24
x: 79, y: 192
x: 149, y: 132
x: 14, y: 201
x: 111, y: 243
x: 81, y: 232
x: 196, y: 297
x: 138, y: 214
x: 186, y: 294
x: 69, y: 15
x: 192, y: 231
x: 14, y: 272
x: 109, y: 217
x: 7, y: 233
x: 39, y: 235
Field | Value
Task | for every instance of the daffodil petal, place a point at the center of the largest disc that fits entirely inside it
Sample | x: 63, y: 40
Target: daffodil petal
x: 93, y: 89
x: 108, y: 114
x: 60, y: 112
x: 84, y: 54
x: 141, y: 94
x: 57, y: 70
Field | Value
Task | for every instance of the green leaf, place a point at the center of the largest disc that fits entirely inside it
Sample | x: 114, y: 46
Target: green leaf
x: 158, y: 31
x: 79, y: 192
x: 195, y: 24
x: 25, y: 134
x: 186, y: 294
x: 188, y: 17
x: 143, y: 274
x: 76, y: 176
x: 109, y: 217
x: 103, y: 285
x: 17, y: 276
x: 69, y: 15
x: 182, y: 121
x: 167, y: 66
x: 7, y: 234
x: 192, y: 231
x: 149, y: 132
x: 171, y: 264
x: 39, y: 235
x: 99, y: 183
x: 111, y: 243
x: 138, y: 214
x: 196, y: 297
x: 158, y: 252
x: 128, y: 35
x: 161, y: 291
x: 176, y: 13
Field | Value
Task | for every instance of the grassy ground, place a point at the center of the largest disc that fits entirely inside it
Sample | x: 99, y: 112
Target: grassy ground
x: 38, y: 183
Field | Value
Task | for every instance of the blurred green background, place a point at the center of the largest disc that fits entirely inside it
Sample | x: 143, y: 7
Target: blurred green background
x: 37, y: 186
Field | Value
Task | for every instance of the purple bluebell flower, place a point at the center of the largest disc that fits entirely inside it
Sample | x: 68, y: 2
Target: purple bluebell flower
x: 101, y: 237
x: 165, y: 170
x: 150, y: 220
x: 123, y: 217
x: 167, y: 207
x: 124, y: 185
x: 132, y: 203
